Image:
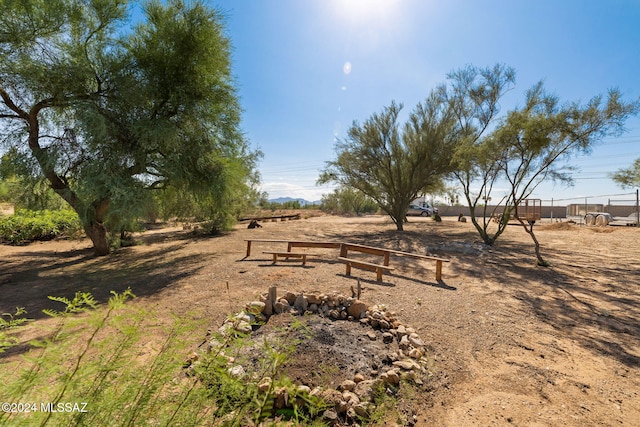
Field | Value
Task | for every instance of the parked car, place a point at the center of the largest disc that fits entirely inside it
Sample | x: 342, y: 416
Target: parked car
x: 424, y: 210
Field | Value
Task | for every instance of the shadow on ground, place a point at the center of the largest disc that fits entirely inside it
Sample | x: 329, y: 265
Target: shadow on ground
x: 28, y: 283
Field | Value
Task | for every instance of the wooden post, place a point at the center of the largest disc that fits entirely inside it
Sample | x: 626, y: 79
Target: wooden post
x: 386, y: 258
x: 248, y: 247
x: 359, y: 289
x: 438, y: 270
x: 348, y: 269
x: 271, y: 300
x: 379, y: 274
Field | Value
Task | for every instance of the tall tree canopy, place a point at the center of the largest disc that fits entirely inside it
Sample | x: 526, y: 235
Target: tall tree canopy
x: 106, y: 111
x: 628, y: 177
x: 393, y: 164
x: 526, y: 146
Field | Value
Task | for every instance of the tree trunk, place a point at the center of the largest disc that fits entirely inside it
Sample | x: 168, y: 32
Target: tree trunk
x: 539, y: 260
x: 97, y: 232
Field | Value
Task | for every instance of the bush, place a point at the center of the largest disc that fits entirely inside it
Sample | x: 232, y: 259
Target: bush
x: 27, y: 226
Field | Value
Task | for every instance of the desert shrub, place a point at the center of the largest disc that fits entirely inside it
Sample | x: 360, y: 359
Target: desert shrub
x: 28, y: 226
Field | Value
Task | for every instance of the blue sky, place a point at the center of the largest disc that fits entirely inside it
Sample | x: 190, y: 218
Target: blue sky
x: 306, y: 69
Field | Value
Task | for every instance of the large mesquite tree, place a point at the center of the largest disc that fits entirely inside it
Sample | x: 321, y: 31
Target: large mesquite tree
x: 106, y: 111
x: 393, y: 163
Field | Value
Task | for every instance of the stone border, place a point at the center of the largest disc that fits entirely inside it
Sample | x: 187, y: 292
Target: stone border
x: 353, y: 398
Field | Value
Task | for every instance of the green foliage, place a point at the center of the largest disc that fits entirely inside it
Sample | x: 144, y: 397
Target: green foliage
x: 27, y: 226
x: 81, y: 301
x: 21, y: 188
x: 527, y: 145
x: 347, y: 201
x: 9, y: 321
x: 628, y: 177
x: 106, y: 110
x: 263, y: 203
x: 101, y: 357
x: 391, y: 163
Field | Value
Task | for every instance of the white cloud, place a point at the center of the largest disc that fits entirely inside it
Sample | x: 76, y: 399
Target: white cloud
x: 285, y: 189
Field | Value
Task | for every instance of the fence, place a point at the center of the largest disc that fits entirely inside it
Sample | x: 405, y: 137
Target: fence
x: 556, y: 209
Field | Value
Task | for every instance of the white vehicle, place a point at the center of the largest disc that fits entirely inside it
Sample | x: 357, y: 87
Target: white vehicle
x: 423, y: 209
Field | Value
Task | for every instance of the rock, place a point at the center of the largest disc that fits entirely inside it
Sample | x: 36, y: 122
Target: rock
x: 226, y: 329
x: 334, y: 314
x: 290, y: 297
x: 387, y: 338
x: 401, y: 331
x: 331, y: 396
x: 348, y: 385
x: 255, y: 307
x: 384, y: 324
x: 364, y: 389
x: 342, y: 407
x: 393, y: 377
x: 361, y: 410
x: 415, y: 341
x: 371, y: 335
x: 404, y: 342
x: 313, y: 299
x: 416, y: 353
x: 304, y: 389
x: 330, y: 415
x: 358, y: 378
x: 365, y: 321
x: 301, y: 304
x: 265, y: 384
x: 350, y: 397
x: 391, y: 357
x: 357, y: 309
x: 375, y: 324
x: 313, y: 308
x: 406, y: 364
x: 236, y: 371
x: 243, y: 327
x: 280, y: 307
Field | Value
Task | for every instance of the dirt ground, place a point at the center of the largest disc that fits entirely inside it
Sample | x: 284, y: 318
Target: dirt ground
x: 511, y: 343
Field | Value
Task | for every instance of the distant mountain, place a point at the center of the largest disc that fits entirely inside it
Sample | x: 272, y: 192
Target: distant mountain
x: 302, y: 202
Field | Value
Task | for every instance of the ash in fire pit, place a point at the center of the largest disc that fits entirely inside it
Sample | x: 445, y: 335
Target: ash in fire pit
x: 342, y: 362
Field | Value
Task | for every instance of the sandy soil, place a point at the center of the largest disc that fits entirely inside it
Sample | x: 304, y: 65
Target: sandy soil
x: 511, y: 343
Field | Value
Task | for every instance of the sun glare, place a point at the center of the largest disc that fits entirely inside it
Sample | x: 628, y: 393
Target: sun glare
x: 364, y: 12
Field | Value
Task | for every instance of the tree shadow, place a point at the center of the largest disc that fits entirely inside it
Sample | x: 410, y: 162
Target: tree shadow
x: 599, y: 317
x: 24, y: 283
